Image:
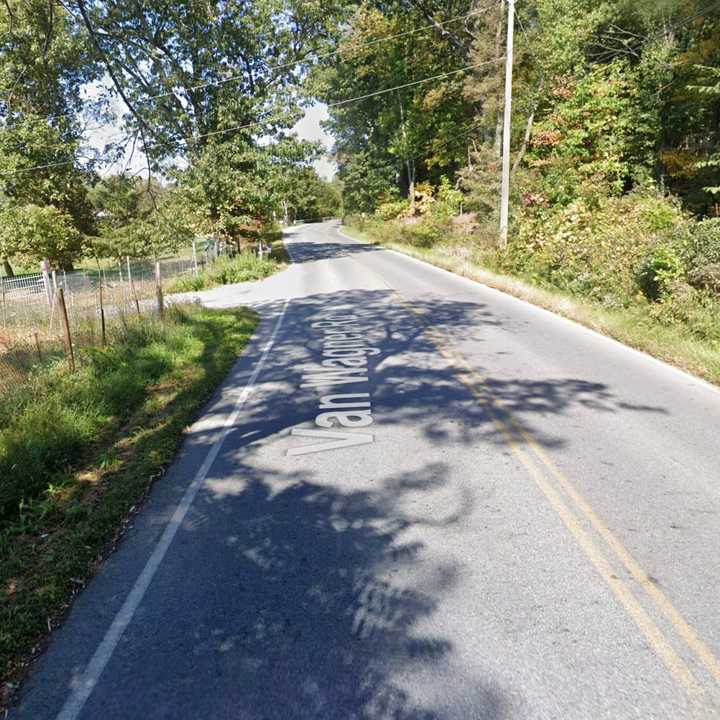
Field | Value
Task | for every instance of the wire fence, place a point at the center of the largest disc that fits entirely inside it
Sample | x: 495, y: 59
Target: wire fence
x: 49, y: 315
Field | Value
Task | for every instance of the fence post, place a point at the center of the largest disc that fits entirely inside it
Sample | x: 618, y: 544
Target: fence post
x: 4, y: 306
x: 45, y: 268
x: 102, y: 316
x: 132, y: 285
x: 66, y: 323
x: 159, y: 292
x: 194, y: 257
x: 37, y: 344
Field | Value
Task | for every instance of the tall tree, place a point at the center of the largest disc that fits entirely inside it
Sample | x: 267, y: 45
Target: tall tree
x: 44, y: 63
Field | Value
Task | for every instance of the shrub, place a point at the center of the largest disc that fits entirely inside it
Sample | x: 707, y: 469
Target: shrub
x: 244, y: 267
x: 703, y: 246
x: 695, y: 309
x: 706, y: 278
x: 187, y: 283
x: 448, y: 200
x: 391, y: 210
x: 661, y: 268
x: 586, y: 249
x: 425, y: 233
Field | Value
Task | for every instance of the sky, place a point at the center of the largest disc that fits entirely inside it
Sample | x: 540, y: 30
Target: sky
x: 308, y: 128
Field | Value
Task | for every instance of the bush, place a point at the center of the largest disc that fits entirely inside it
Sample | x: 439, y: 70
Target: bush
x: 245, y: 267
x: 425, y: 233
x: 188, y: 283
x: 391, y: 210
x: 661, y: 268
x: 706, y: 278
x: 703, y: 247
x: 596, y: 249
x: 448, y: 200
x: 686, y: 306
x: 242, y: 268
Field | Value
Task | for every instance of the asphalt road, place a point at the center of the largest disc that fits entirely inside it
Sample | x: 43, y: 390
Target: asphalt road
x: 508, y: 516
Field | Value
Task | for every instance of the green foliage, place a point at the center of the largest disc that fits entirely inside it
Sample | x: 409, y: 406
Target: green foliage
x: 448, y: 200
x: 659, y: 271
x: 303, y: 195
x: 702, y: 256
x: 366, y: 183
x: 582, y: 247
x: 425, y: 233
x: 244, y: 267
x: 593, y: 141
x: 387, y: 142
x: 33, y: 233
x: 703, y: 247
x: 57, y: 416
x: 392, y: 209
x: 79, y: 509
x: 44, y: 63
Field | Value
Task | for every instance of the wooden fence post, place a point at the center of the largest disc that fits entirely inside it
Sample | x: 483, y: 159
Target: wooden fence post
x: 4, y: 302
x: 37, y: 345
x: 194, y: 257
x: 159, y: 291
x: 102, y: 316
x: 132, y: 285
x: 66, y: 323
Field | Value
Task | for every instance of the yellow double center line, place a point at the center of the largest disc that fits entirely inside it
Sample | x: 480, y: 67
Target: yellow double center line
x: 534, y: 460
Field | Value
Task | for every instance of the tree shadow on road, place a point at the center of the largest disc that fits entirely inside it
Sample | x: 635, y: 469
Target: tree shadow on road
x: 313, y: 595
x: 304, y: 602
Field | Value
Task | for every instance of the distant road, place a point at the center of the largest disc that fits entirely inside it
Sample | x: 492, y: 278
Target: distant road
x: 415, y: 498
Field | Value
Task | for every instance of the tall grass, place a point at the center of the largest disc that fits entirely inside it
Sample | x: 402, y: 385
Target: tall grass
x: 245, y: 267
x: 78, y: 451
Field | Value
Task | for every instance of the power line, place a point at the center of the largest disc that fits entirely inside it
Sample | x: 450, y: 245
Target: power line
x: 260, y: 122
x: 293, y: 63
x: 416, y: 82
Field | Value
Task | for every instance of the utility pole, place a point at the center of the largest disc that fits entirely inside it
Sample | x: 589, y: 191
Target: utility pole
x: 507, y: 116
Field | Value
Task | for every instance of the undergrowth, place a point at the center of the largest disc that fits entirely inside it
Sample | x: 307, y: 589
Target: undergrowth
x: 78, y: 451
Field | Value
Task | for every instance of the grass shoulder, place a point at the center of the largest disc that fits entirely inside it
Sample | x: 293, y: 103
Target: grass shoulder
x: 634, y: 326
x: 246, y: 266
x: 79, y: 452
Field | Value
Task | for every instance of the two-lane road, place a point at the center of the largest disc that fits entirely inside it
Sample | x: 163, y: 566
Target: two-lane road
x: 414, y: 498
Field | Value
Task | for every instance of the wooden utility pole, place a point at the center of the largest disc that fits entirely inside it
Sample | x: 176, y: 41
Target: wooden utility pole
x: 66, y: 323
x: 507, y: 118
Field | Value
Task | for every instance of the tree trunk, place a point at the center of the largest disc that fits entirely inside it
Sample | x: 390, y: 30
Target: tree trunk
x: 528, y: 130
x: 411, y: 184
x: 9, y: 272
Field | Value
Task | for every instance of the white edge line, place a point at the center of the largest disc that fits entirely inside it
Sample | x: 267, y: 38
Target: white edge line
x: 86, y: 684
x: 657, y: 361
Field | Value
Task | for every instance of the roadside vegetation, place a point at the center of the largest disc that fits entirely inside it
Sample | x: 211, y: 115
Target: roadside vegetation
x: 78, y: 452
x: 244, y: 267
x: 615, y: 158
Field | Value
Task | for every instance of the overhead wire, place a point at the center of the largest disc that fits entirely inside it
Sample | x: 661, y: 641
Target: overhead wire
x: 260, y: 122
x: 293, y: 63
